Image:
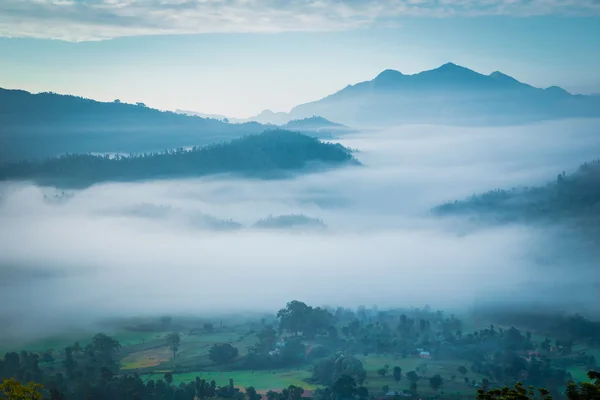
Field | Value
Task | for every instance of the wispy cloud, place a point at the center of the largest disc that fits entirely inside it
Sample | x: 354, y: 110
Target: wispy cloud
x: 80, y: 20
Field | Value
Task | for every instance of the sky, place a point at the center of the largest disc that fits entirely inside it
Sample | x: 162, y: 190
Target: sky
x: 239, y: 57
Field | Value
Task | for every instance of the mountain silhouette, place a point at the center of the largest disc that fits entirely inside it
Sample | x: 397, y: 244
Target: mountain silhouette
x: 448, y: 94
x: 48, y: 124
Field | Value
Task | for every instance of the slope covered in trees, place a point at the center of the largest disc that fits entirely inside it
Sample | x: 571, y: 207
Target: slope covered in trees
x: 48, y: 124
x: 574, y: 197
x: 269, y: 154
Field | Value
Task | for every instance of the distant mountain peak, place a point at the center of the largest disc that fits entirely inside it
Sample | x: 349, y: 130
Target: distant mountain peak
x: 500, y: 76
x: 389, y: 74
x: 557, y: 90
x: 450, y: 66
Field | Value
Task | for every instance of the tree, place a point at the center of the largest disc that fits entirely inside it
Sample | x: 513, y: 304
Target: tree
x: 397, y: 373
x: 271, y: 395
x: 293, y: 317
x: 436, y: 382
x: 11, y: 389
x: 251, y: 394
x: 292, y: 393
x: 518, y: 392
x: 222, y: 353
x: 174, y: 340
x: 344, y: 388
x: 412, y: 376
x: 585, y: 390
x: 208, y: 327
x: 362, y: 392
x: 413, y: 386
x: 105, y: 348
x: 169, y: 378
x: 462, y: 370
x: 382, y: 372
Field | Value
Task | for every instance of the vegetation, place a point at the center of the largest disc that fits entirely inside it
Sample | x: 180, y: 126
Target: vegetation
x: 269, y: 154
x: 318, y: 352
x: 569, y: 197
x: 289, y: 221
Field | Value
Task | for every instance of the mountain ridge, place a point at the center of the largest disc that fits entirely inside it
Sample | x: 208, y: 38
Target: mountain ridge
x: 449, y: 93
x: 46, y: 124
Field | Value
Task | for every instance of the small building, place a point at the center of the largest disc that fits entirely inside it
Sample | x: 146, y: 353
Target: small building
x: 274, y: 353
x: 425, y: 354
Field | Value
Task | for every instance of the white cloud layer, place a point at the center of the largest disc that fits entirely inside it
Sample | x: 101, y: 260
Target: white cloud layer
x: 137, y: 248
x: 81, y: 20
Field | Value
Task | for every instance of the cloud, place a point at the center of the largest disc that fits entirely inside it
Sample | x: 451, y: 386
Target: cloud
x: 81, y: 20
x: 90, y: 257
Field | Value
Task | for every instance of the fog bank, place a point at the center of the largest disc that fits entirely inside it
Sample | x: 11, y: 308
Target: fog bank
x: 142, y: 248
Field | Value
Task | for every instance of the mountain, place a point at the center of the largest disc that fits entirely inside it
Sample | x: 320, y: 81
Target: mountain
x: 448, y: 94
x: 270, y: 117
x: 573, y: 197
x: 271, y: 154
x: 48, y: 124
x: 312, y: 123
x: 318, y: 127
x: 212, y: 116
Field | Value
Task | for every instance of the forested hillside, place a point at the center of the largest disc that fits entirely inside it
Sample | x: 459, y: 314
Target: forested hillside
x: 48, y: 124
x: 265, y: 155
x: 570, y: 197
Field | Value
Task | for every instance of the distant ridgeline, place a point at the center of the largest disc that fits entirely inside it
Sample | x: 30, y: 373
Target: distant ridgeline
x: 267, y: 155
x: 570, y: 197
x: 35, y: 126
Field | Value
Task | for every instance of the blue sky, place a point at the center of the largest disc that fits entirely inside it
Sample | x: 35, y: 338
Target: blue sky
x: 238, y: 57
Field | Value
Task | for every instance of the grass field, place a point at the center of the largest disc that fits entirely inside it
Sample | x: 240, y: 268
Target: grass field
x: 261, y: 380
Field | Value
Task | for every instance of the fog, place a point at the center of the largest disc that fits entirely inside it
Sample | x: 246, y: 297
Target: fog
x: 144, y: 248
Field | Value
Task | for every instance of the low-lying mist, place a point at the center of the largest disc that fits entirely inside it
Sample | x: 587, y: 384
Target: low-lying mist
x: 152, y: 248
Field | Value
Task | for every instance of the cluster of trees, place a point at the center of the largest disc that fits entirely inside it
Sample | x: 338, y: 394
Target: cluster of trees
x: 297, y: 317
x: 265, y: 354
x: 289, y: 221
x: 269, y: 154
x: 309, y: 334
x: 574, y: 196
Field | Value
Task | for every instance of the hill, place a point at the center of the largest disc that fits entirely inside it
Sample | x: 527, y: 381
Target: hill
x: 574, y: 197
x: 48, y: 124
x: 313, y: 123
x: 269, y: 117
x: 219, y: 117
x: 448, y: 94
x: 290, y: 221
x: 270, y: 154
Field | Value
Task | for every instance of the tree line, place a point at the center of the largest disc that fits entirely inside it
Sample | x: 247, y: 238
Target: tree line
x: 269, y: 154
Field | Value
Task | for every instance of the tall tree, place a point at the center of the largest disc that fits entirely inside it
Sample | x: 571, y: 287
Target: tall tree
x: 293, y: 317
x: 174, y: 341
x: 344, y: 388
x: 436, y: 382
x: 397, y: 373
